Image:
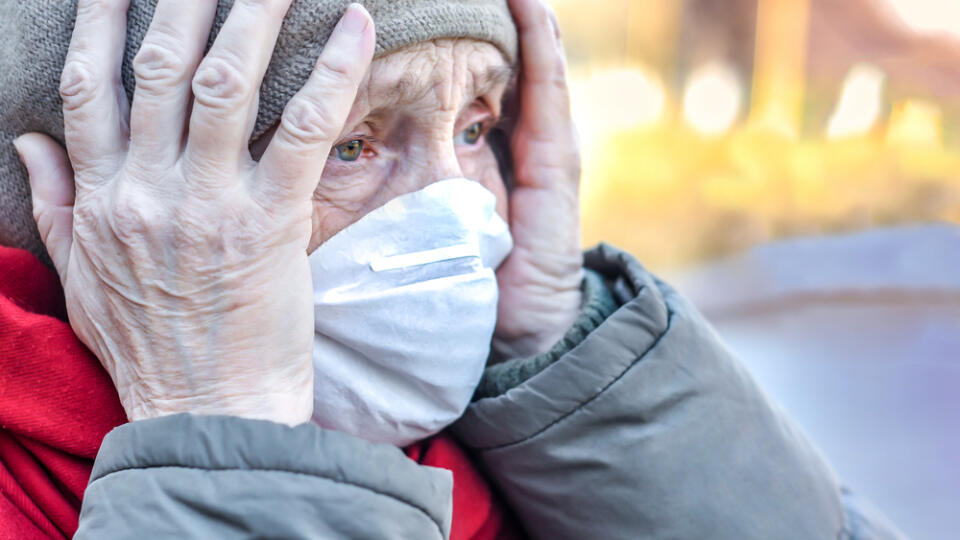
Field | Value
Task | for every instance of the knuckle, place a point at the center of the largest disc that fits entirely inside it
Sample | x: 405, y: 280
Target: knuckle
x: 268, y: 7
x: 219, y: 84
x: 333, y: 70
x: 558, y: 78
x: 43, y: 216
x: 90, y: 167
x: 158, y: 64
x: 85, y: 220
x: 555, y: 24
x: 87, y: 9
x: 129, y: 219
x: 306, y: 123
x: 574, y: 170
x: 542, y: 13
x: 77, y: 84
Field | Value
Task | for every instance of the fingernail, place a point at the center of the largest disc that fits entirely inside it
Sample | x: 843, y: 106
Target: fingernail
x: 355, y: 20
x: 17, y: 145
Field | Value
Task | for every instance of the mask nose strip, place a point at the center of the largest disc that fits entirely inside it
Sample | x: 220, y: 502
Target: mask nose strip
x: 420, y: 258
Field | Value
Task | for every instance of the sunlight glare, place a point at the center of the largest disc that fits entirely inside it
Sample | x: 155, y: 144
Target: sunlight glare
x: 860, y: 103
x: 916, y: 123
x: 618, y: 99
x: 628, y: 97
x: 713, y: 99
x: 929, y: 15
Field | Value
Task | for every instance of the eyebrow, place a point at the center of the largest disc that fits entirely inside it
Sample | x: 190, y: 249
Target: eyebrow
x: 402, y: 89
x: 493, y: 77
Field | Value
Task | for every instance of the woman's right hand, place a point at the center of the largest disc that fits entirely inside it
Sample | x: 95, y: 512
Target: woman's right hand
x: 184, y: 261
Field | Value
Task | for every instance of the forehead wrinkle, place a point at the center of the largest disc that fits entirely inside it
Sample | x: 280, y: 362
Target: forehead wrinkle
x: 408, y: 88
x: 438, y: 72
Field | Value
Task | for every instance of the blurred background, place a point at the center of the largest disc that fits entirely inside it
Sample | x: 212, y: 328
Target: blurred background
x: 793, y: 166
x: 709, y: 126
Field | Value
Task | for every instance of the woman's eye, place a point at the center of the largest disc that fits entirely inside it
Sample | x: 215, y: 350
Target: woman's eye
x: 472, y: 134
x: 350, y: 151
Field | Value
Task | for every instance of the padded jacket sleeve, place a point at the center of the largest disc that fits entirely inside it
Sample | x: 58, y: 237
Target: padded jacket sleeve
x: 221, y: 477
x: 650, y: 428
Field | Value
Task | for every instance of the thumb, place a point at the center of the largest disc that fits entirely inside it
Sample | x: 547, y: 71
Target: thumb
x: 53, y: 194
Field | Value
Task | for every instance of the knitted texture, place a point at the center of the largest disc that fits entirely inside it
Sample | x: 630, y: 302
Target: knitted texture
x: 35, y: 35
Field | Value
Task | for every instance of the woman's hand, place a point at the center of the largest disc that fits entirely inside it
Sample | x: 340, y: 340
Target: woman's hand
x: 184, y: 262
x: 540, y: 283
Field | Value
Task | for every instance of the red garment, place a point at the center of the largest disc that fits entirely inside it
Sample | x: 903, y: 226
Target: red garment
x: 57, y: 403
x: 477, y: 512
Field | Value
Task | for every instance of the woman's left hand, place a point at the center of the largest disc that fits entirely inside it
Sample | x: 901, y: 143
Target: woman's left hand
x: 540, y: 294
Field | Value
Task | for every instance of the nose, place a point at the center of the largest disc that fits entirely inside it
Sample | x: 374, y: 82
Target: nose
x: 429, y: 160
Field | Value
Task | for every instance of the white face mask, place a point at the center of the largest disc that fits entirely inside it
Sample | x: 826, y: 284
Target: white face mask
x: 405, y: 304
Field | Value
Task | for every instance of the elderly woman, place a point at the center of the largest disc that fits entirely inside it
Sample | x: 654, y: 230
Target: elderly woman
x: 376, y: 229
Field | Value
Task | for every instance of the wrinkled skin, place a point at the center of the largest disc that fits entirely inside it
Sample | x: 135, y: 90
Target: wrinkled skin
x: 419, y: 136
x: 183, y: 253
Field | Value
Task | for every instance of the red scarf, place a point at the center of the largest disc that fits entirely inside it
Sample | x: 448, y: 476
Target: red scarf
x: 57, y: 403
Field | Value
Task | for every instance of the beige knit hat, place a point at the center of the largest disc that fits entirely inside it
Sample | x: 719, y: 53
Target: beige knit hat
x: 35, y: 34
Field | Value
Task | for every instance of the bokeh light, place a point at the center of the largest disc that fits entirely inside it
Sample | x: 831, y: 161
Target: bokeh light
x: 860, y: 104
x: 617, y: 99
x: 713, y: 99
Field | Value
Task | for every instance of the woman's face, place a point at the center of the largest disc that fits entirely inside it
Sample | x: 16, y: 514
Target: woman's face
x: 421, y: 115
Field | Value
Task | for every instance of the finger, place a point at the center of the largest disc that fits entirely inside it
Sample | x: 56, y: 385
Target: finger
x: 227, y: 84
x: 163, y: 67
x: 545, y: 98
x: 312, y: 121
x: 94, y: 103
x: 52, y: 190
